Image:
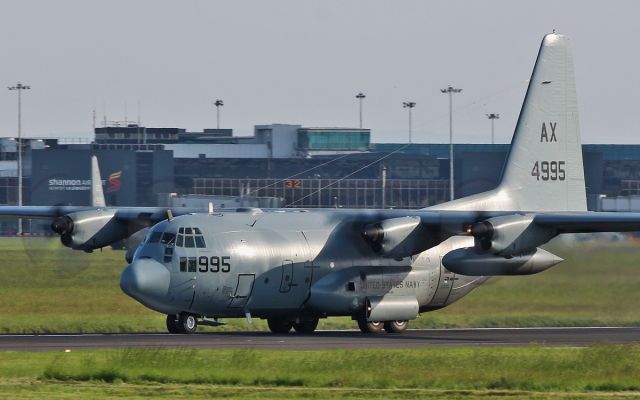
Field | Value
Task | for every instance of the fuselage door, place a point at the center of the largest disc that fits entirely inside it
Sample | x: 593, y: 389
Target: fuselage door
x: 444, y: 286
x: 287, y: 276
x: 243, y: 290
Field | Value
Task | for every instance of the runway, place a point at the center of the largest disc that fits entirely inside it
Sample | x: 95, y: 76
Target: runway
x: 329, y: 339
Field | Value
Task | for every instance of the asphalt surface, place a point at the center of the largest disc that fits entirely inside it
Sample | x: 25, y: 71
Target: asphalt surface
x: 330, y: 339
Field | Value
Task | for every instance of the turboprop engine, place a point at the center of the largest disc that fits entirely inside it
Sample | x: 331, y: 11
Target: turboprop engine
x: 89, y: 230
x: 396, y: 237
x: 509, y: 235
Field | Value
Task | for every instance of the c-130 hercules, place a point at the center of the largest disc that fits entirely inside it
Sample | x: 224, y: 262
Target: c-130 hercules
x: 381, y: 267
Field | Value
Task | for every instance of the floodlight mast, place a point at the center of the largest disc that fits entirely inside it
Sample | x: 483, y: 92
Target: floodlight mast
x: 493, y: 117
x: 19, y: 87
x: 360, y: 96
x: 451, y: 90
x: 409, y: 105
x: 218, y: 103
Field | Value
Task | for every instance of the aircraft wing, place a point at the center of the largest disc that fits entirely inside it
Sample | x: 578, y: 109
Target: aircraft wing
x: 567, y: 222
x: 401, y: 233
x: 39, y: 212
x: 156, y: 214
x: 586, y: 222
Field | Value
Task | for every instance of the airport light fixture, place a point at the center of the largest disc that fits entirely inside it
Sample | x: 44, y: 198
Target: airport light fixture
x: 493, y: 118
x: 360, y: 96
x: 19, y: 87
x: 409, y: 105
x: 218, y: 103
x: 450, y: 91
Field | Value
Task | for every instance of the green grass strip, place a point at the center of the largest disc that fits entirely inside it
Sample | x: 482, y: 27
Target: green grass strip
x: 531, y: 369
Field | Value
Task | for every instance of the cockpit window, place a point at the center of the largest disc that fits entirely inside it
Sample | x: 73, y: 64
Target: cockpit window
x: 191, y: 238
x: 188, y: 241
x: 155, y: 237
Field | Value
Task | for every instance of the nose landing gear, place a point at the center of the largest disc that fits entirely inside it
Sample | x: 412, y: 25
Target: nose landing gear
x: 182, y: 323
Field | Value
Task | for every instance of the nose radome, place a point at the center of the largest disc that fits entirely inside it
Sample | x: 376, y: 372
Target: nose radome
x: 146, y: 280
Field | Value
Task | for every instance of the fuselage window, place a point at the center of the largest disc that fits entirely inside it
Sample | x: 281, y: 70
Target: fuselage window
x: 183, y: 264
x: 168, y: 238
x: 180, y: 240
x: 188, y: 241
x: 192, y: 264
x: 155, y: 237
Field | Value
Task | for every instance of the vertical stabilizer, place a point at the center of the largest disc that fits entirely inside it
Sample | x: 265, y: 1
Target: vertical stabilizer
x: 97, y: 194
x: 544, y: 170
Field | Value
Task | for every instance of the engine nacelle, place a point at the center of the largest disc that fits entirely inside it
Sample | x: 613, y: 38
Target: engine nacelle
x: 89, y: 230
x: 394, y: 237
x: 510, y: 234
x: 392, y: 308
x: 469, y: 261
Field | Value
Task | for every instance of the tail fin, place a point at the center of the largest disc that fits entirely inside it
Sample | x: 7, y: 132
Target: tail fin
x: 97, y: 195
x: 544, y: 170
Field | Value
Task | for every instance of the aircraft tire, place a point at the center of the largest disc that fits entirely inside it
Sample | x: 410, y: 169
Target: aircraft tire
x: 279, y: 325
x: 369, y: 326
x: 396, y: 326
x: 187, y: 323
x: 172, y: 324
x: 306, y: 326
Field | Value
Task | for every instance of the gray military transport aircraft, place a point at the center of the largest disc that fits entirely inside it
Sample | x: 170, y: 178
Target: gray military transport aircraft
x: 380, y: 267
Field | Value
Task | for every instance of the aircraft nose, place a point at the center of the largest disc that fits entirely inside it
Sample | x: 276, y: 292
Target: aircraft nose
x: 146, y: 280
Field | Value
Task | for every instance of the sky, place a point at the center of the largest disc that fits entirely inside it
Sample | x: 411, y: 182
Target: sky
x: 303, y: 62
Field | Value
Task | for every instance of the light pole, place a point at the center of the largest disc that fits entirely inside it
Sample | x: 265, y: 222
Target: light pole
x: 409, y: 105
x: 360, y: 96
x: 218, y: 103
x: 19, y: 87
x: 451, y: 90
x: 493, y: 118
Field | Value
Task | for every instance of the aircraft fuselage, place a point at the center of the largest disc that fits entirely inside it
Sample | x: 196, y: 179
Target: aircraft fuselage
x: 284, y: 264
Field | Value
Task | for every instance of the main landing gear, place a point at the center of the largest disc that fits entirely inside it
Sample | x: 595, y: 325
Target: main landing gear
x: 375, y: 327
x: 283, y: 326
x: 183, y: 323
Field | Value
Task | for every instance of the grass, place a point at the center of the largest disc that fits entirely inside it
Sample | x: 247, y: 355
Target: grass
x: 46, y: 288
x: 462, y: 372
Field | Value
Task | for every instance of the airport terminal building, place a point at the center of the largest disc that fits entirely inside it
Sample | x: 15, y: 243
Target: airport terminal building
x: 281, y: 165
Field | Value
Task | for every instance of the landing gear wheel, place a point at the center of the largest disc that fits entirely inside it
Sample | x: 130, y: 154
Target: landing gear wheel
x: 187, y: 323
x: 369, y: 326
x: 306, y: 326
x: 396, y: 326
x: 278, y: 325
x: 172, y: 324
